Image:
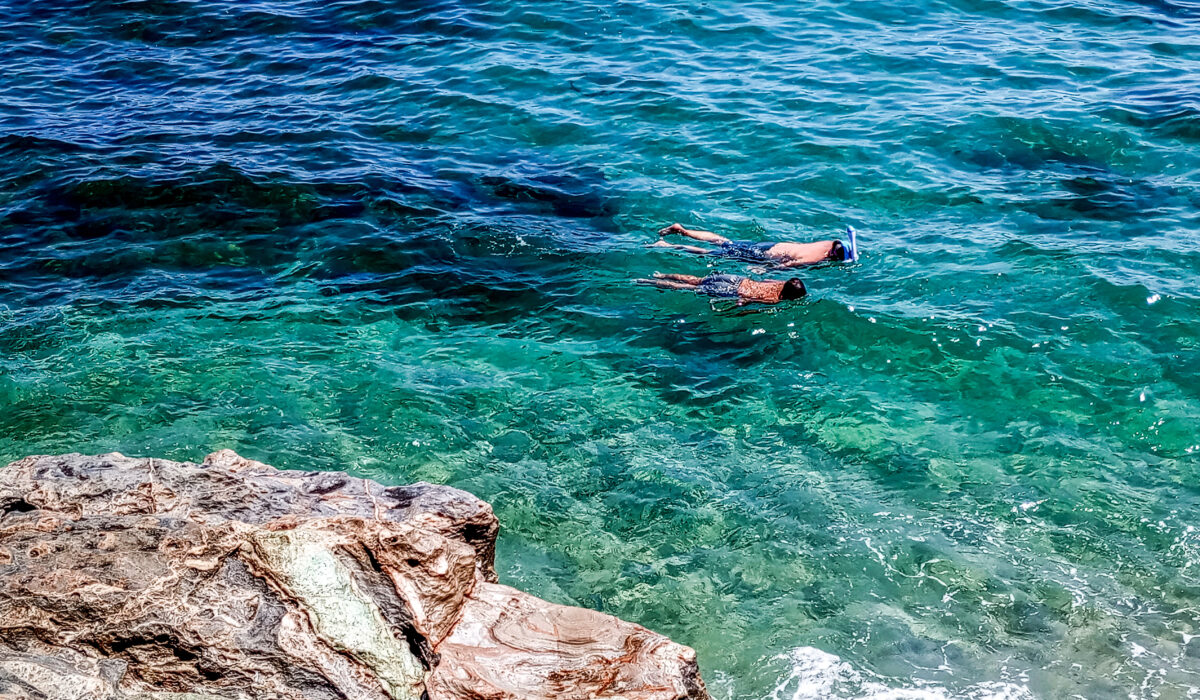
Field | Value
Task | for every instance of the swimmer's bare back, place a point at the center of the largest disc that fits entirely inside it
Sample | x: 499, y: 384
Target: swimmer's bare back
x: 790, y: 254
x: 765, y: 292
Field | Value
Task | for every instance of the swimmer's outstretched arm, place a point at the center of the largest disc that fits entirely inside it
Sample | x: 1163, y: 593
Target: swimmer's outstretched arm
x: 706, y: 236
x: 795, y: 263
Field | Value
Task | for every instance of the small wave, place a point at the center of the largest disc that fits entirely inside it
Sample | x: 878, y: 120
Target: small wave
x: 818, y: 675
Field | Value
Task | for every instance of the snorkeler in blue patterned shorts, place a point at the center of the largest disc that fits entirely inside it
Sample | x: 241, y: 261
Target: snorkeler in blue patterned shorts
x: 778, y: 254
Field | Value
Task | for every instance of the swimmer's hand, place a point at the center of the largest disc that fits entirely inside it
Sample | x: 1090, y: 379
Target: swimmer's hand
x: 673, y: 228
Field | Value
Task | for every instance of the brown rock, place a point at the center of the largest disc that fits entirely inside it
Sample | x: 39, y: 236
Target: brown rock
x: 511, y: 645
x: 141, y: 578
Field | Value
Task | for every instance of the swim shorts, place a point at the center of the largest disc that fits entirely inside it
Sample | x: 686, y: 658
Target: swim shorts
x: 720, y: 285
x: 745, y: 250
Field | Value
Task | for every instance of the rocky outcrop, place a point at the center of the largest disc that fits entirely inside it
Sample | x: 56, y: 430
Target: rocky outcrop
x: 149, y: 579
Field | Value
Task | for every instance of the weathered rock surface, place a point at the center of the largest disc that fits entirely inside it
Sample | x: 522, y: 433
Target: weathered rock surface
x: 148, y: 579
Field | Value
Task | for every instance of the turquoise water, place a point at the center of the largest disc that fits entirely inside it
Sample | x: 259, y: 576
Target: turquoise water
x: 399, y: 238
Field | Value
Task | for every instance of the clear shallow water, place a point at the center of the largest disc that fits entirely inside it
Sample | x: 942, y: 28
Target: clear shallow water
x: 398, y: 239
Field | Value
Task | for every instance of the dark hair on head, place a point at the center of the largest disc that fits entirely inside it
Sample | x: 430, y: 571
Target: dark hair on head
x: 793, y: 289
x: 837, y: 251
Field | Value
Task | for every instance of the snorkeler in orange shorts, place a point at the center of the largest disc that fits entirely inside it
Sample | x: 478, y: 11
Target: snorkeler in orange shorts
x: 744, y: 289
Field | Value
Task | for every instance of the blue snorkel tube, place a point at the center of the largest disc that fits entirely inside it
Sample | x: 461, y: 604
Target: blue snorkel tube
x: 852, y: 244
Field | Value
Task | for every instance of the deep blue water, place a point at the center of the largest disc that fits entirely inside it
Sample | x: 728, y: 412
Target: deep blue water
x: 399, y: 238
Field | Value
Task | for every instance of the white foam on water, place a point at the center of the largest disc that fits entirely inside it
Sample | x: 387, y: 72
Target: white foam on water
x: 819, y: 675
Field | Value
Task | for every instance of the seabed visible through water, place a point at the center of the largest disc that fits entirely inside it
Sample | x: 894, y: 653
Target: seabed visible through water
x: 398, y: 239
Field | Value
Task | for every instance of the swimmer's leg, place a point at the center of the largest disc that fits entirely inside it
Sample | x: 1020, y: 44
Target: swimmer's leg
x: 686, y: 279
x: 706, y: 236
x: 686, y: 248
x: 667, y: 284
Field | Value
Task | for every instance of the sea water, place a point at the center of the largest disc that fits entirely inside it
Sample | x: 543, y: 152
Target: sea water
x: 399, y: 239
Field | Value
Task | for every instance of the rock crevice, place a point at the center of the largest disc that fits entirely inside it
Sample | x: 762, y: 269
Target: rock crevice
x: 127, y: 578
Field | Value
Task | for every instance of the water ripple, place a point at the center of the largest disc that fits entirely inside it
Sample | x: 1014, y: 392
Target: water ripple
x: 400, y: 240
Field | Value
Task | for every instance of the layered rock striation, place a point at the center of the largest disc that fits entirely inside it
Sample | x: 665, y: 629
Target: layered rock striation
x: 147, y: 579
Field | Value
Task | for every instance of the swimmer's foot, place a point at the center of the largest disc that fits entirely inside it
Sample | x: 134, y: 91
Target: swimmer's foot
x: 673, y: 228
